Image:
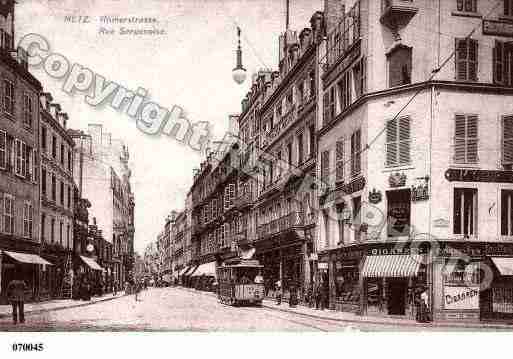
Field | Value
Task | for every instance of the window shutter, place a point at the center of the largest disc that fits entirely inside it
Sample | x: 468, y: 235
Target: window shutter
x: 392, y: 149
x: 326, y: 107
x: 231, y: 188
x: 325, y: 162
x: 472, y: 59
x: 339, y: 160
x: 226, y: 198
x: 461, y: 59
x: 404, y: 140
x: 3, y: 149
x: 459, y: 139
x: 507, y: 139
x: 472, y: 139
x: 498, y: 62
x: 355, y: 152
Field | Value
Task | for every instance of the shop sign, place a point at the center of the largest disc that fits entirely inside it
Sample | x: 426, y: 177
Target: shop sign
x: 458, y: 251
x: 322, y: 265
x: 394, y: 251
x: 397, y: 180
x: 462, y: 175
x: 375, y: 196
x: 497, y: 28
x: 461, y: 297
x: 420, y: 192
x: 498, y: 249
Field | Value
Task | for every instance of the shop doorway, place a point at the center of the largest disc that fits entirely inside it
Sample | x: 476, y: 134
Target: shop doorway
x: 397, y: 290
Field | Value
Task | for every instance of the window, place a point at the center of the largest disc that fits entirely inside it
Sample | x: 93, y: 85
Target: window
x: 28, y: 212
x: 69, y: 160
x: 357, y: 216
x: 344, y: 91
x: 356, y: 153
x: 503, y: 63
x: 18, y: 157
x: 289, y: 153
x: 461, y: 272
x: 43, y: 181
x: 466, y: 139
x: 3, y: 150
x: 300, y: 148
x: 311, y: 132
x: 465, y: 211
x: 27, y: 110
x: 43, y: 226
x: 360, y: 78
x: 339, y: 161
x: 327, y: 221
x: 8, y: 214
x: 467, y: 5
x: 507, y: 212
x: 312, y: 83
x: 63, y: 153
x: 61, y: 227
x: 54, y: 147
x: 399, y: 66
x: 61, y: 194
x: 466, y: 59
x: 507, y: 140
x: 398, y: 142
x: 329, y: 105
x: 54, y: 188
x: 325, y: 167
x: 508, y: 7
x: 9, y: 97
x: 43, y: 138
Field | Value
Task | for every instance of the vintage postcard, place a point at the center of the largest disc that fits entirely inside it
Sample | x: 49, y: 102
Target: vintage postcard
x: 255, y: 165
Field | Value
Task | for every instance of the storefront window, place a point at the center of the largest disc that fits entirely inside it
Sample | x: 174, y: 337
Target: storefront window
x: 460, y: 272
x: 346, y: 282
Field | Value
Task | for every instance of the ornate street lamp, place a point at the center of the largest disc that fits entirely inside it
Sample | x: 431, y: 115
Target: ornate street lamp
x: 239, y: 72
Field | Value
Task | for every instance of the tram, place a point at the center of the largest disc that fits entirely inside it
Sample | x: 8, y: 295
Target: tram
x: 240, y: 283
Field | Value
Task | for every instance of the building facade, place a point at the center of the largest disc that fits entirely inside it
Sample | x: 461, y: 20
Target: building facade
x: 57, y: 195
x: 414, y: 151
x: 102, y: 174
x: 19, y: 165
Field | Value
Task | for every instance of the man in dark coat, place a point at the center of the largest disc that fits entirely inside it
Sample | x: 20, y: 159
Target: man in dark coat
x: 16, y: 294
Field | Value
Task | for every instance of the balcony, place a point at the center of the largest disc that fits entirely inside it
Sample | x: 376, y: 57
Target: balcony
x: 243, y: 201
x: 289, y: 118
x: 397, y: 13
x: 288, y: 222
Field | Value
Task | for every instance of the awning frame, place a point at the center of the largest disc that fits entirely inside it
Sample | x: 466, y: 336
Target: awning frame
x: 391, y: 266
x: 27, y: 258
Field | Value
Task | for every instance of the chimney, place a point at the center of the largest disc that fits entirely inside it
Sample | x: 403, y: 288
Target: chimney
x: 317, y: 25
x: 304, y: 38
x: 63, y: 119
x: 333, y: 13
x: 46, y: 98
x: 233, y: 124
x: 55, y: 108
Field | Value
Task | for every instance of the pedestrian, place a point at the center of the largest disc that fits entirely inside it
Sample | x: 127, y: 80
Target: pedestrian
x: 16, y: 295
x: 114, y: 288
x: 278, y: 292
x: 293, y: 294
x: 424, y: 316
x: 309, y: 296
x: 137, y: 289
x: 317, y: 295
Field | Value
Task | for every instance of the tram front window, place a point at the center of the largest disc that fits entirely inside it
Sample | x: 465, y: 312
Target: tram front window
x: 246, y: 275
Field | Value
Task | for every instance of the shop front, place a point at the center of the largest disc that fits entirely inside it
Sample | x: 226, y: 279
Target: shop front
x: 390, y: 283
x: 25, y: 266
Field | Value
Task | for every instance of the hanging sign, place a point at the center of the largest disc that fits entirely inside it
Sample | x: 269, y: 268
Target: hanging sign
x: 497, y: 28
x: 375, y: 196
x: 462, y: 175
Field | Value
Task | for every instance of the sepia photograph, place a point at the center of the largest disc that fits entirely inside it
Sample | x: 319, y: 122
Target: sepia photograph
x: 263, y: 166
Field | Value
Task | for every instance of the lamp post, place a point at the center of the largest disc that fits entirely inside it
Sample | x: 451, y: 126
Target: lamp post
x: 239, y: 72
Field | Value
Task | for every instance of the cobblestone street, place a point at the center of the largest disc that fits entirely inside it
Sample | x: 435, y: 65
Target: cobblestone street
x: 178, y: 309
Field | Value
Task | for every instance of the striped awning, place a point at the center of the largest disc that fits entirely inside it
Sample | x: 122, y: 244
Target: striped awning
x: 504, y: 265
x: 397, y: 266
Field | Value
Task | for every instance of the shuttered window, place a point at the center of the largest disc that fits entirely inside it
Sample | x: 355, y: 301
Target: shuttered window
x: 8, y: 97
x: 503, y: 63
x: 507, y: 140
x: 339, y: 161
x: 356, y: 146
x: 3, y: 150
x: 398, y: 142
x: 467, y: 5
x: 8, y: 214
x: 325, y: 167
x: 465, y: 139
x: 466, y: 59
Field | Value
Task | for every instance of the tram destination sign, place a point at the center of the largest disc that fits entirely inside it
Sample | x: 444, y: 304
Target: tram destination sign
x: 461, y: 175
x: 497, y: 28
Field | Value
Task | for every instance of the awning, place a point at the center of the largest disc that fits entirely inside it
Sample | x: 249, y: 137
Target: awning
x: 183, y: 271
x: 91, y: 263
x: 504, y: 265
x: 208, y: 269
x: 397, y: 266
x: 27, y: 258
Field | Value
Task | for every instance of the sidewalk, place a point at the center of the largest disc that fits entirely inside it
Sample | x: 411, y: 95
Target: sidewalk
x: 58, y: 304
x: 337, y: 316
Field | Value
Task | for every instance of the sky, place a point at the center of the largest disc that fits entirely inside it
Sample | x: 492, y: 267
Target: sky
x: 189, y: 66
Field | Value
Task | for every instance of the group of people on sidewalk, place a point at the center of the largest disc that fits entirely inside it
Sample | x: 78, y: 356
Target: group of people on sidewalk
x: 316, y: 295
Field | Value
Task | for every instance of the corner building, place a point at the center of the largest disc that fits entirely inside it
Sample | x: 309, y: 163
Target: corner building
x: 414, y: 147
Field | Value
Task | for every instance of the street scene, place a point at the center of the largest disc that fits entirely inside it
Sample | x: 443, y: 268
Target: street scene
x: 176, y: 309
x: 290, y: 165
